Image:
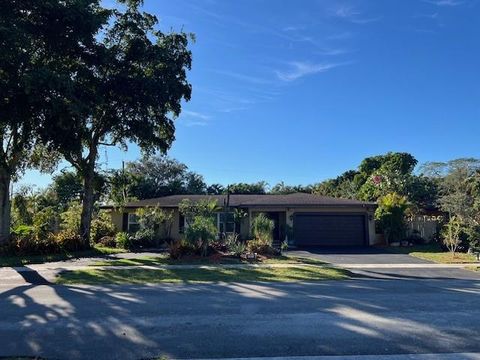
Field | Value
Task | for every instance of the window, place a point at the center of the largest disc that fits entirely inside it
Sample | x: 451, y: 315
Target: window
x: 133, y: 225
x: 218, y: 218
x: 230, y: 223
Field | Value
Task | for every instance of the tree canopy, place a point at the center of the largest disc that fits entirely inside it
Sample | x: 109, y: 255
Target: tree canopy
x: 154, y: 176
x: 128, y: 86
x: 40, y: 40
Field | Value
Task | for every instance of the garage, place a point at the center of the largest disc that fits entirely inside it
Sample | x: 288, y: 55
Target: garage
x: 318, y: 229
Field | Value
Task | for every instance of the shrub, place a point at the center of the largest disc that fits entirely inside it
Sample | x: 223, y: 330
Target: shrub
x: 66, y: 240
x: 23, y: 230
x: 451, y: 234
x: 390, y: 215
x: 24, y: 242
x: 201, y: 232
x: 262, y: 229
x: 102, y: 226
x: 178, y: 248
x: 234, y: 245
x: 259, y: 247
x: 144, y: 238
x: 472, y: 237
x: 107, y: 241
x: 71, y: 217
x: 157, y: 221
x: 122, y: 241
x: 45, y: 221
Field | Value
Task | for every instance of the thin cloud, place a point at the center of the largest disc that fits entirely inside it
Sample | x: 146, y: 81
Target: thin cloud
x: 432, y: 16
x: 195, y: 114
x: 293, y: 28
x: 334, y: 51
x: 243, y: 77
x: 194, y: 118
x: 350, y: 13
x: 300, y: 69
x: 444, y: 2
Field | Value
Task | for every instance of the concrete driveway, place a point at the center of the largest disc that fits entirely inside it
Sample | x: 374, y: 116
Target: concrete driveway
x: 357, y: 255
x: 383, y: 264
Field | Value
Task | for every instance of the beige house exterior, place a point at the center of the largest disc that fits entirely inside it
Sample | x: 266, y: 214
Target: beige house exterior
x: 300, y: 219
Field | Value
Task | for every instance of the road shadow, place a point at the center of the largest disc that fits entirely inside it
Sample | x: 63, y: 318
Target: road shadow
x: 240, y: 320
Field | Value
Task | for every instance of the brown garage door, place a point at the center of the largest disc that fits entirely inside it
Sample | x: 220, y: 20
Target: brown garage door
x: 317, y: 229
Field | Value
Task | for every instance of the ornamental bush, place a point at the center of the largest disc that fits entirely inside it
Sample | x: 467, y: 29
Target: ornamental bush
x: 201, y: 232
x: 262, y: 229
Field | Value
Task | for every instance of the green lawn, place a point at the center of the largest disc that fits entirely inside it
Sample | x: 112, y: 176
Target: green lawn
x: 219, y: 274
x: 39, y: 259
x: 434, y: 253
x: 165, y: 260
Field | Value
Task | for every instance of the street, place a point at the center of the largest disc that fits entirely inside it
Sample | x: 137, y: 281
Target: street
x: 352, y: 317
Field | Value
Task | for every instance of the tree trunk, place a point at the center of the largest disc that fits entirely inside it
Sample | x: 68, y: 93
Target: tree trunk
x: 87, y: 205
x: 5, y: 180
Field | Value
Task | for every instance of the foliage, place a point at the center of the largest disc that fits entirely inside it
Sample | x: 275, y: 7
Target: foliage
x: 200, y: 232
x: 459, y: 195
x: 71, y: 217
x: 154, y: 176
x: 26, y: 242
x: 262, y: 229
x: 206, y: 208
x: 260, y: 247
x: 67, y: 240
x: 282, y: 188
x: 178, y: 248
x: 68, y: 187
x: 215, y: 189
x: 102, y: 226
x: 244, y: 188
x: 157, y: 221
x: 132, y: 81
x: 36, y: 70
x: 451, y: 234
x: 122, y: 240
x: 234, y: 245
x: 390, y: 215
x: 45, y: 221
x: 107, y: 241
x: 344, y: 186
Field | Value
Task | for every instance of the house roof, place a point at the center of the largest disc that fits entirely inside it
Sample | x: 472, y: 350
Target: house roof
x: 237, y: 200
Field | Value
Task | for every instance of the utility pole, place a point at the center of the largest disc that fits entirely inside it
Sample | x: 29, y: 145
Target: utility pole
x: 124, y: 183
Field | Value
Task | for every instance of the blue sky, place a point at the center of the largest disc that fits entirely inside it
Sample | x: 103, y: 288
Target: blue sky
x: 300, y: 91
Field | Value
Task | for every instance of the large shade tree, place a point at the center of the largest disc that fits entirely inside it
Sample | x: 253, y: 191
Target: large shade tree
x: 129, y: 86
x: 39, y: 41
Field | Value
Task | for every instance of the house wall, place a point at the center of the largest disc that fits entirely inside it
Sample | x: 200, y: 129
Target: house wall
x: 117, y: 220
x: 245, y: 224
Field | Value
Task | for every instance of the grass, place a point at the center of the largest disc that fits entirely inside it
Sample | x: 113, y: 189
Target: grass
x: 473, y: 268
x: 39, y: 259
x: 165, y: 260
x: 433, y: 252
x: 219, y: 274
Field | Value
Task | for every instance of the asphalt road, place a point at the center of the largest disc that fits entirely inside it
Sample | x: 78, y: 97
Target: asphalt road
x: 361, y: 316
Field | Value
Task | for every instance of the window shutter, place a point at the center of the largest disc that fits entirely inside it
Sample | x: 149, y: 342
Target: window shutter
x: 125, y: 222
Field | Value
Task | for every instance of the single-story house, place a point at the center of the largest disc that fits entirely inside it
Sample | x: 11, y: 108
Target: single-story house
x: 301, y: 219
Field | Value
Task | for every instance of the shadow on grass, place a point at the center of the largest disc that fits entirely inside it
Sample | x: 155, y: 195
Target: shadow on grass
x: 20, y: 260
x: 143, y: 276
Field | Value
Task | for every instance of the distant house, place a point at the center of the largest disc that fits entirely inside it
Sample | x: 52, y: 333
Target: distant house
x: 302, y: 219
